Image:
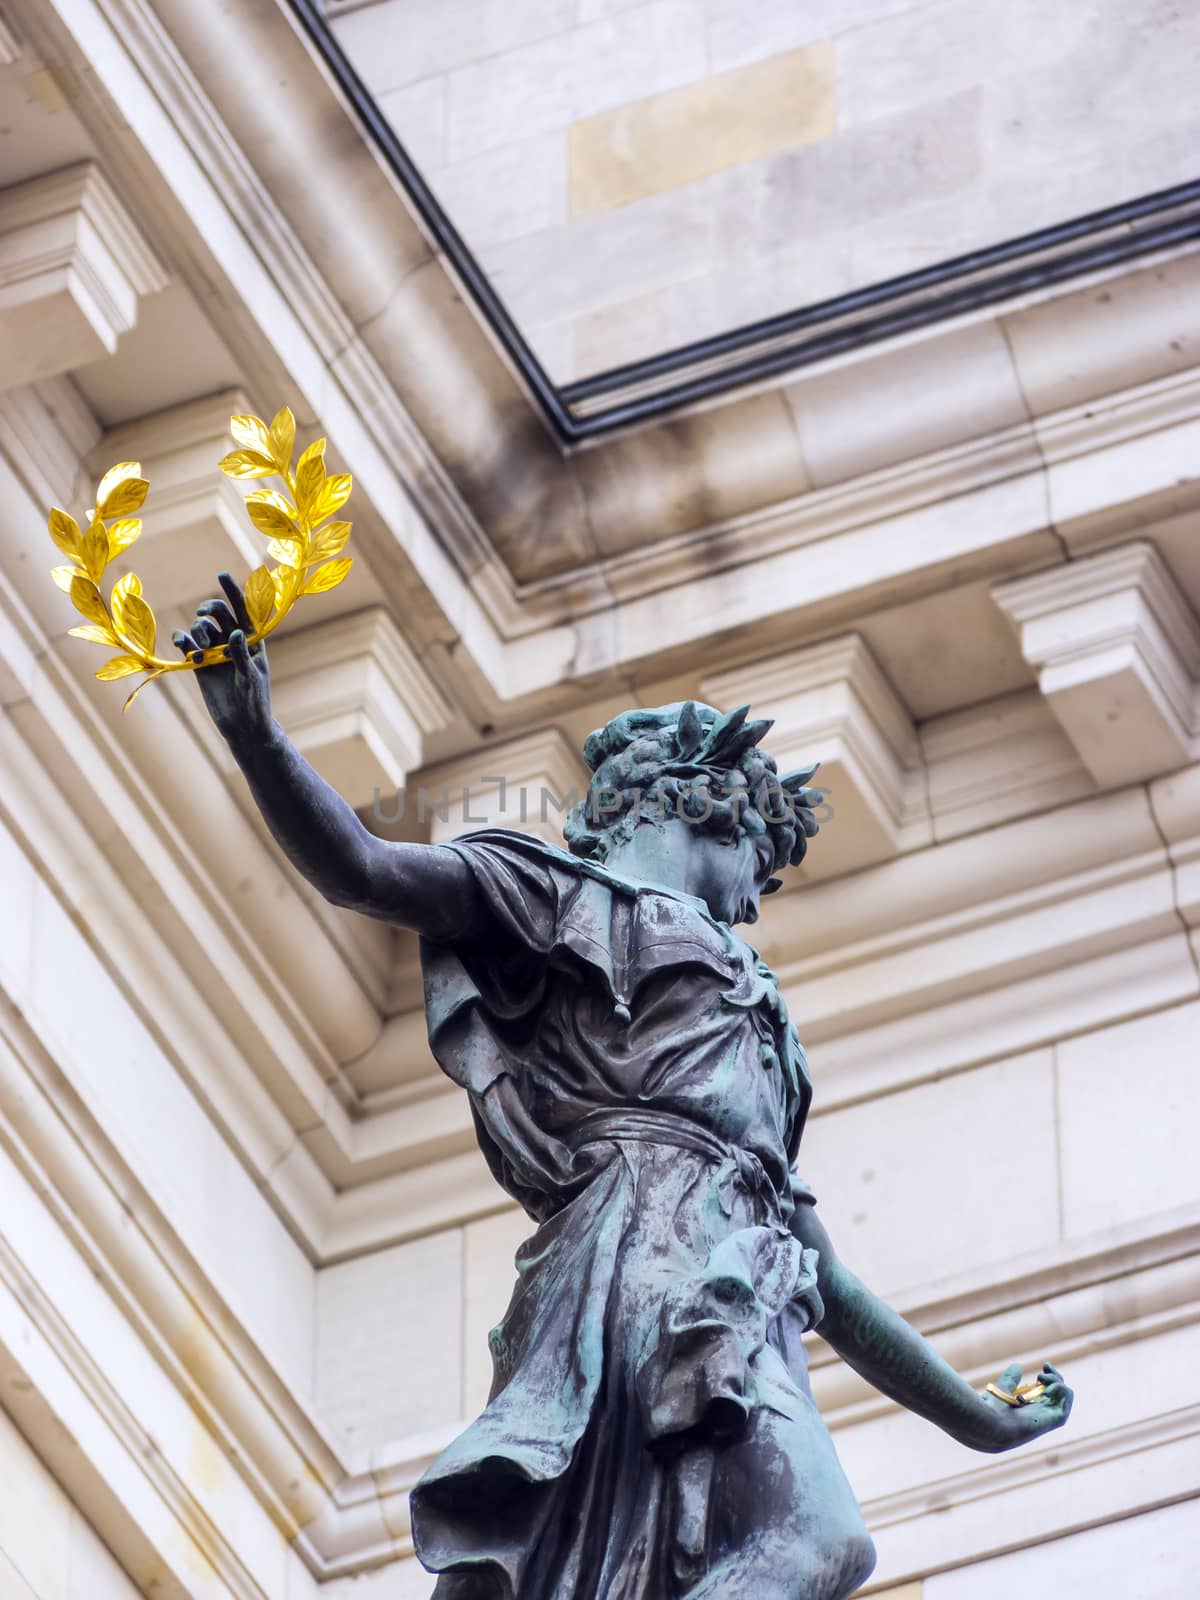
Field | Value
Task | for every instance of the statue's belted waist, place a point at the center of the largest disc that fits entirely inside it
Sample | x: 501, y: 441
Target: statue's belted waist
x: 641, y: 1125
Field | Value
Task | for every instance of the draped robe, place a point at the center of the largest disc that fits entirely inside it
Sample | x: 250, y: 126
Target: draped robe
x: 637, y: 1087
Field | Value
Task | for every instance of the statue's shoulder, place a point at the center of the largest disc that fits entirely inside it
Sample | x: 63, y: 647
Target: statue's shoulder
x: 539, y: 853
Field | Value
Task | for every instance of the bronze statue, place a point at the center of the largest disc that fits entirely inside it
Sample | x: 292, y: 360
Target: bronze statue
x: 638, y: 1088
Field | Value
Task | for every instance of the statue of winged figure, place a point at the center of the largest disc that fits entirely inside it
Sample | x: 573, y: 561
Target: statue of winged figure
x: 638, y: 1088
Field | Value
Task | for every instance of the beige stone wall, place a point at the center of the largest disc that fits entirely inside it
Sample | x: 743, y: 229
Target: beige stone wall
x: 637, y: 175
x: 249, y: 1253
x: 48, y: 1551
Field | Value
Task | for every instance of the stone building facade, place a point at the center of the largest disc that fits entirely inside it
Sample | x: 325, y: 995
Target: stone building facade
x: 248, y: 1253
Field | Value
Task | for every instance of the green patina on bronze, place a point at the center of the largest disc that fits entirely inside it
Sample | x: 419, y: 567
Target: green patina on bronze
x: 638, y: 1087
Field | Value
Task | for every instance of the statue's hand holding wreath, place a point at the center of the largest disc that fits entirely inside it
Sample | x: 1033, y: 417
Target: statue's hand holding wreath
x: 237, y: 695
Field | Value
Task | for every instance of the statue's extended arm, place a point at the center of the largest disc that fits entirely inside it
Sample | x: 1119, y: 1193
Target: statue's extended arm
x: 890, y: 1353
x: 423, y: 887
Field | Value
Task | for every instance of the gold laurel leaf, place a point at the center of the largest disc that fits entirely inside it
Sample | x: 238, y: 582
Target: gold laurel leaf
x: 130, y: 584
x: 120, y: 667
x: 247, y: 464
x: 65, y: 576
x: 282, y: 433
x: 95, y: 634
x: 124, y: 498
x: 64, y: 530
x: 96, y: 553
x: 270, y: 521
x: 310, y: 477
x: 288, y: 552
x: 157, y: 673
x: 260, y: 597
x: 85, y: 597
x: 331, y: 541
x: 251, y: 433
x: 122, y: 534
x: 271, y: 497
x: 327, y: 576
x: 333, y: 496
x: 121, y: 473
x: 287, y: 581
x: 138, y: 624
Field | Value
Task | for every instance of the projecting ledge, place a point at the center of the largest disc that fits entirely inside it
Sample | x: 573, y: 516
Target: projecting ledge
x: 73, y: 267
x: 1117, y: 651
x: 357, y: 702
x: 831, y: 703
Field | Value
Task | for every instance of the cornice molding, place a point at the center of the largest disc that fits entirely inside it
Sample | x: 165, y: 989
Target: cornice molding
x: 565, y: 617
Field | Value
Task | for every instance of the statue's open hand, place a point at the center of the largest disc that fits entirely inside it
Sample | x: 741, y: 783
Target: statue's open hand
x: 238, y: 696
x: 1017, y: 1424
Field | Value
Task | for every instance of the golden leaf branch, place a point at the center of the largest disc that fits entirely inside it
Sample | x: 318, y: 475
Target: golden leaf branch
x: 304, y: 539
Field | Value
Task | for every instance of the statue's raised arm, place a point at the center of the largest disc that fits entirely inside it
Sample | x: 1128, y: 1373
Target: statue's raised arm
x: 419, y: 886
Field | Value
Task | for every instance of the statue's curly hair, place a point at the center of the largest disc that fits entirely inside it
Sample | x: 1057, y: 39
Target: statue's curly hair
x: 692, y: 761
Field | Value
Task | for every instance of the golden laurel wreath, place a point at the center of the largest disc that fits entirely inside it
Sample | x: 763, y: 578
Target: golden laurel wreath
x: 302, y: 538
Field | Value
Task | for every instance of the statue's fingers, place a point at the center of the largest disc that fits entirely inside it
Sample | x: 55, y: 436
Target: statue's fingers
x: 220, y: 612
x: 184, y: 642
x: 205, y: 633
x: 239, y: 651
x: 1051, y: 1372
x: 1010, y: 1377
x: 233, y: 593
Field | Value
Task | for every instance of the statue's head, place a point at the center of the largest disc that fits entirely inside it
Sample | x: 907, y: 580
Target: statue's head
x: 698, y: 777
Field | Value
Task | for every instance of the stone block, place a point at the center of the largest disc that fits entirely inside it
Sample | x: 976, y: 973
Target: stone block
x: 740, y: 31
x: 1129, y: 1099
x: 417, y: 112
x: 574, y: 74
x: 507, y: 193
x: 927, y: 52
x: 400, y: 41
x: 891, y: 406
x: 1152, y: 1555
x: 917, y: 1187
x: 389, y: 1340
x: 674, y: 138
x: 1139, y: 327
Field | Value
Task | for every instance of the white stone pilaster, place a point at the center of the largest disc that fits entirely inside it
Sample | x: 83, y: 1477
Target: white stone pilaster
x: 831, y: 703
x: 1117, y: 652
x: 73, y: 267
